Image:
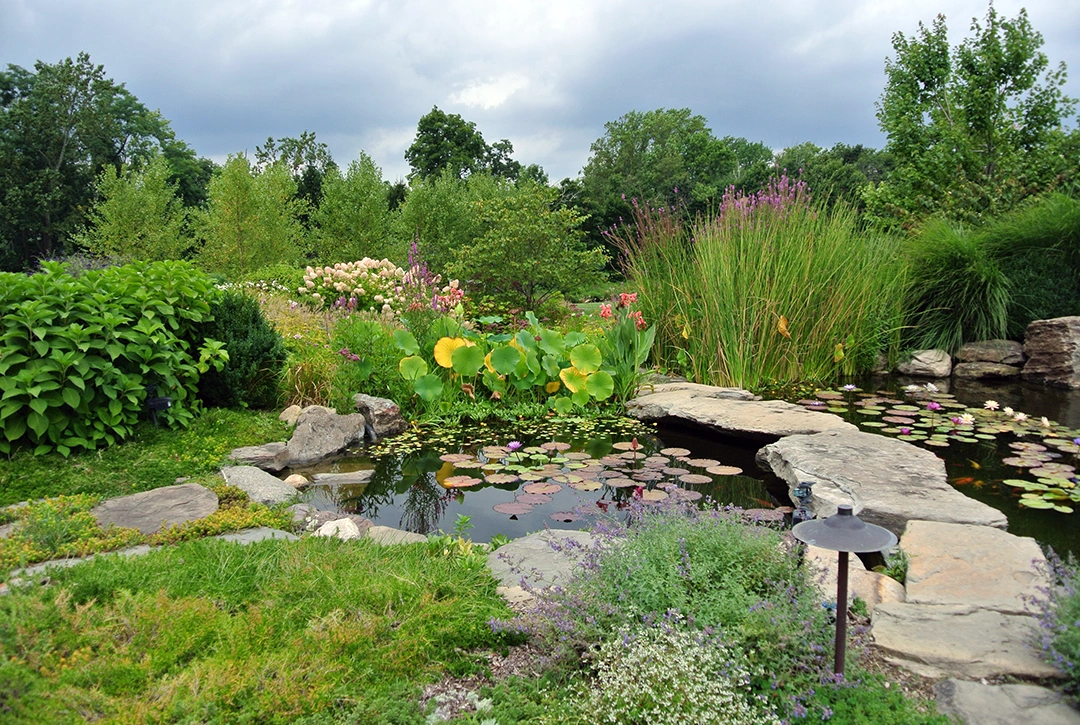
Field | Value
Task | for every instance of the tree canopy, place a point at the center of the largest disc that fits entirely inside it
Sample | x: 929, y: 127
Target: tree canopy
x: 973, y: 129
x: 60, y: 125
x: 447, y: 142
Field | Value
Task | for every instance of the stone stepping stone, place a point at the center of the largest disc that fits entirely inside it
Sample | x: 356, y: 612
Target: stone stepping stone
x: 977, y: 565
x: 152, y: 511
x: 887, y: 481
x: 388, y: 536
x: 869, y: 586
x: 956, y: 640
x: 978, y: 704
x: 259, y: 485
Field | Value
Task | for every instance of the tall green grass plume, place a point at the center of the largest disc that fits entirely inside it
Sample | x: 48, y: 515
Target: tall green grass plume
x: 773, y: 287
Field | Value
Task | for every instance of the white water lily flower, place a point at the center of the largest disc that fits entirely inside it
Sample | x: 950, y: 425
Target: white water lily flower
x: 931, y: 388
x: 967, y: 419
x: 911, y: 388
x: 1007, y: 410
x: 1020, y: 417
x: 1044, y: 422
x: 991, y: 405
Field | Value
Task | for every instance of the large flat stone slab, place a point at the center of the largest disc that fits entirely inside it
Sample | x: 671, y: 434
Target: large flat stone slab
x: 731, y: 411
x: 152, y: 511
x: 952, y: 640
x: 269, y: 457
x: 388, y: 536
x: 259, y: 485
x: 251, y: 536
x: 536, y: 561
x: 977, y: 704
x: 870, y: 586
x: 888, y: 482
x: 978, y: 565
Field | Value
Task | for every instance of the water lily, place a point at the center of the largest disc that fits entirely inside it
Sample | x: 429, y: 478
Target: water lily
x: 513, y: 445
x: 967, y: 419
x: 931, y: 388
x: 933, y: 405
x: 912, y: 388
x: 1020, y: 417
x: 905, y: 431
x: 1007, y: 410
x: 850, y: 388
x: 991, y: 405
x: 1044, y: 422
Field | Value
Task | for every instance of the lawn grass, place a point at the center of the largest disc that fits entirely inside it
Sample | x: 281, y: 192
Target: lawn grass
x: 213, y: 632
x: 152, y: 458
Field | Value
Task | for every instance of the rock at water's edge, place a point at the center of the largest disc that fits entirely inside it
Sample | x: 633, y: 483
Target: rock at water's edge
x: 985, y: 371
x: 927, y: 364
x: 269, y: 457
x: 259, y: 485
x: 1053, y: 350
x: 321, y: 433
x: 887, y: 481
x: 1004, y: 352
x: 382, y: 414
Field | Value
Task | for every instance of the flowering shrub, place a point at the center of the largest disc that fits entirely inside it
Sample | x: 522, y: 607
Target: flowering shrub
x: 669, y: 674
x: 368, y: 284
x: 1058, y: 612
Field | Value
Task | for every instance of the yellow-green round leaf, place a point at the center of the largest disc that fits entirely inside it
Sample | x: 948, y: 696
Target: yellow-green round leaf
x: 573, y: 379
x: 412, y: 367
x: 505, y: 359
x: 600, y: 385
x: 586, y: 358
x: 467, y: 360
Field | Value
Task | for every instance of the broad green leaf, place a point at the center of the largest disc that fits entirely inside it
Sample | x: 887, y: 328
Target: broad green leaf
x: 564, y: 406
x: 467, y: 360
x: 428, y: 387
x: 586, y: 358
x: 551, y: 366
x: 37, y: 422
x: 444, y: 350
x: 406, y: 342
x: 575, y: 338
x: 505, y: 359
x: 551, y: 342
x: 600, y: 385
x: 580, y: 398
x: 39, y: 405
x: 493, y: 383
x: 573, y: 379
x: 14, y: 428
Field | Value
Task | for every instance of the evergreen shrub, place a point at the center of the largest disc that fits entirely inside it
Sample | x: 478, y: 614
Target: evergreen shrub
x: 256, y: 355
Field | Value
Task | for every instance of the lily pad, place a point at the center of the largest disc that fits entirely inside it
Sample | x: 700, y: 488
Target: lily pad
x: 588, y: 485
x: 501, y: 478
x: 626, y: 446
x: 694, y: 479
x: 456, y: 457
x: 676, y: 471
x: 621, y: 483
x: 566, y: 517
x: 675, y: 451
x: 461, y: 482
x: 533, y: 499
x: 512, y: 509
x: 555, y: 446
x: 703, y: 462
x: 682, y: 494
x: 724, y: 470
x: 653, y: 496
x: 541, y: 487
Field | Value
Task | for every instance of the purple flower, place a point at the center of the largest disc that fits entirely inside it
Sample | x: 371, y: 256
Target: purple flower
x: 513, y: 445
x: 933, y: 406
x: 849, y: 387
x: 905, y: 431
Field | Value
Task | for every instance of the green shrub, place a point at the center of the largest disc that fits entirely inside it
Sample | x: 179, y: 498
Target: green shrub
x: 256, y: 354
x: 958, y: 292
x: 79, y: 353
x: 368, y: 363
x: 1058, y: 612
x: 773, y: 288
x: 286, y: 275
x: 1043, y: 285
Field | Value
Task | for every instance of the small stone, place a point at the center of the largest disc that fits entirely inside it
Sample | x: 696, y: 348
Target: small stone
x: 259, y: 485
x: 386, y: 536
x: 927, y: 364
x: 297, y: 481
x: 343, y: 529
x: 352, y: 478
x: 290, y: 414
x: 269, y: 457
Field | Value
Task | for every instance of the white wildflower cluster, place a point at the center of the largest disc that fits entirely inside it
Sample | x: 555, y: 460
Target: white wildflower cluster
x: 268, y: 286
x: 368, y: 284
x: 668, y: 674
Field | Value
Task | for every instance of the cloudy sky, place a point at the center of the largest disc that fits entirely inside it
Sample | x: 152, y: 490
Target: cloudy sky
x: 546, y: 75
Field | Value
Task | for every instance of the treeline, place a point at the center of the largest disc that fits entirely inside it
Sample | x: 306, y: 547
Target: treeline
x: 973, y: 131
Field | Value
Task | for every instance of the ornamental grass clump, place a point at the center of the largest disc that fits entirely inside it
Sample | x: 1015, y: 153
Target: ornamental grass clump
x: 774, y: 287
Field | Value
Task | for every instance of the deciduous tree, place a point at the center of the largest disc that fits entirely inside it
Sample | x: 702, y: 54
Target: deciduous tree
x: 353, y: 220
x: 974, y: 129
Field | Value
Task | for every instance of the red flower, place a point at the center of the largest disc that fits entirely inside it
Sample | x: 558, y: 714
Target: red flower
x: 605, y: 311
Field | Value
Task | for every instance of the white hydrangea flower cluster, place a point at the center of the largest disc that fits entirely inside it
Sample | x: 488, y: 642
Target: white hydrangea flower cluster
x: 367, y: 284
x: 671, y: 675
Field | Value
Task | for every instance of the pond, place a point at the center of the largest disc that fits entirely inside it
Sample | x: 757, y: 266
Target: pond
x: 996, y: 459
x: 514, y: 480
x: 565, y: 470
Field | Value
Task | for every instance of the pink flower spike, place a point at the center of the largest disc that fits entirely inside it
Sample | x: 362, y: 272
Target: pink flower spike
x: 605, y: 311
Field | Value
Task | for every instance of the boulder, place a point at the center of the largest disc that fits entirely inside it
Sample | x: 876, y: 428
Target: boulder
x: 297, y: 481
x: 320, y: 433
x: 731, y: 411
x: 259, y: 485
x: 1053, y: 351
x: 352, y: 478
x: 976, y: 703
x: 269, y: 457
x: 870, y: 586
x: 344, y: 529
x: 1003, y: 352
x: 978, y: 565
x: 383, y: 415
x: 956, y: 640
x: 301, y: 512
x: 542, y: 559
x: 985, y: 371
x: 388, y: 536
x: 887, y: 481
x: 316, y: 518
x: 252, y: 536
x: 153, y: 511
x: 927, y: 364
x: 290, y: 414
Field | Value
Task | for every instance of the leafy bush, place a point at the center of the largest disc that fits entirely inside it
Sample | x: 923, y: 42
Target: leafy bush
x: 1043, y: 285
x: 368, y: 362
x: 79, y: 353
x: 773, y: 288
x: 256, y: 354
x: 289, y: 278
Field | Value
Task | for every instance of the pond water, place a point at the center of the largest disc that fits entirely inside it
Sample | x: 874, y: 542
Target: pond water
x: 513, y: 480
x: 565, y: 469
